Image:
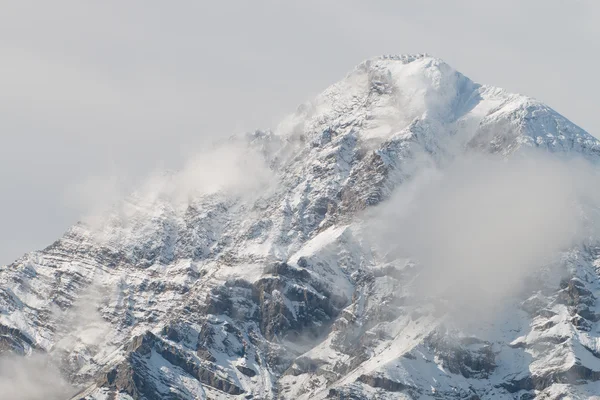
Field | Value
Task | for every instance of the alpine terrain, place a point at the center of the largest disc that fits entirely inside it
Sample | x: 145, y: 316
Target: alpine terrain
x: 291, y: 272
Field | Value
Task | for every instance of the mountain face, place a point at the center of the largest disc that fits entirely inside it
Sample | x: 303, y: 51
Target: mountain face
x: 277, y: 284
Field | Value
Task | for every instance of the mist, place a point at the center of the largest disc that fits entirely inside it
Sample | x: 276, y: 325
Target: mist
x: 228, y: 168
x: 32, y: 378
x: 482, y: 225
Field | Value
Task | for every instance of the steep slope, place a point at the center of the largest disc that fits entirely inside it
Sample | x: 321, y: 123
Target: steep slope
x: 278, y: 291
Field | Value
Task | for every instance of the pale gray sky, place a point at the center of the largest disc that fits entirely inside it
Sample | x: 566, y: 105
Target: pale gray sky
x: 96, y: 91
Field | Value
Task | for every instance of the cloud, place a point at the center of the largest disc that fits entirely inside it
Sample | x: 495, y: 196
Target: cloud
x: 483, y: 224
x: 32, y: 378
x: 229, y: 168
x: 82, y: 327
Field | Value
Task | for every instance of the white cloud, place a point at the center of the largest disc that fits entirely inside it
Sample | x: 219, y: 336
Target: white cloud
x: 32, y: 378
x: 482, y: 225
x: 228, y: 168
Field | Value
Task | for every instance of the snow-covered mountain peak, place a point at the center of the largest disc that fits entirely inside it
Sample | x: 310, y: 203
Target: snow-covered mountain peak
x: 283, y: 264
x: 384, y: 96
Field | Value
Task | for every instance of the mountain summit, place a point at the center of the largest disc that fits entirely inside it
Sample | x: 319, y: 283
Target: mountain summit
x: 324, y: 259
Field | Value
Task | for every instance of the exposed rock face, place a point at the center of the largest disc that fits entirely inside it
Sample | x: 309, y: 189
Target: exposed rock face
x: 277, y: 293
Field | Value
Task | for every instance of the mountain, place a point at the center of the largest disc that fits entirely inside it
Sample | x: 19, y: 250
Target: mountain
x: 265, y: 273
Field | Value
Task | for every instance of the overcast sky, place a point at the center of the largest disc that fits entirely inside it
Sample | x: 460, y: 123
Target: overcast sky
x: 96, y: 91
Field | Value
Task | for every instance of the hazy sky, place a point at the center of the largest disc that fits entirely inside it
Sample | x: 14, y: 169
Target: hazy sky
x: 96, y: 91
